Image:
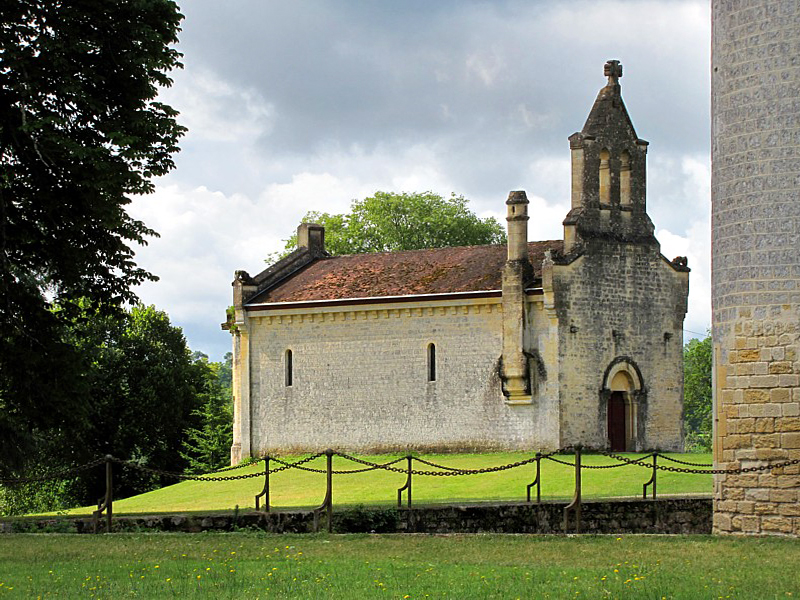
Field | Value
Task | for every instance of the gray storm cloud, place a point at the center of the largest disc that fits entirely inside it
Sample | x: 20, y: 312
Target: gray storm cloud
x: 306, y: 105
x: 490, y: 86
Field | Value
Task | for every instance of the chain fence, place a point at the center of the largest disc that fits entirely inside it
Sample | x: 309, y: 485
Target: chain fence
x: 649, y: 461
x: 62, y: 474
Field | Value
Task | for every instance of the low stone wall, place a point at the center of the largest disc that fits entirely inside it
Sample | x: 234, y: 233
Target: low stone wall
x: 675, y: 515
x: 668, y: 515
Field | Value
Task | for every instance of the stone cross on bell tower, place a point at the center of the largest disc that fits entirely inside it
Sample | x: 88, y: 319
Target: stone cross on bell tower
x: 613, y: 70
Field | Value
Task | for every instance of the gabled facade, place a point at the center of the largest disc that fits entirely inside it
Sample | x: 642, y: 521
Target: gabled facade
x: 533, y: 345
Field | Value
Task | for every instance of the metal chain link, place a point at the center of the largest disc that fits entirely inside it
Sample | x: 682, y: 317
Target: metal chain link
x: 450, y: 472
x: 241, y: 465
x: 561, y: 462
x: 278, y: 470
x: 393, y: 469
x: 664, y: 456
x: 488, y: 469
x: 372, y: 466
x: 294, y: 465
x: 298, y: 464
x: 585, y: 466
x: 435, y: 465
x: 683, y: 462
x: 736, y: 471
x: 185, y: 477
x: 63, y: 474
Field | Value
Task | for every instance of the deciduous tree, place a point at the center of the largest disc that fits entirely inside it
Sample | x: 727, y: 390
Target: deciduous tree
x: 207, y: 447
x: 143, y: 392
x: 697, y: 365
x: 389, y: 222
x: 81, y: 131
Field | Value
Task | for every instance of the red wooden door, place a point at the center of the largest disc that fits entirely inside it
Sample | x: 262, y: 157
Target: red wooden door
x: 616, y: 422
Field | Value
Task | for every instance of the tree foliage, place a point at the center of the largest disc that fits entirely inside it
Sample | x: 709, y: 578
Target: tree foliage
x: 144, y: 387
x: 80, y: 132
x: 143, y: 392
x: 207, y: 447
x: 697, y: 365
x: 389, y: 222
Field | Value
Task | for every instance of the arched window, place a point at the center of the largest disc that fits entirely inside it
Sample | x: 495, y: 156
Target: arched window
x: 287, y: 365
x: 431, y: 362
x: 625, y: 178
x: 605, y: 177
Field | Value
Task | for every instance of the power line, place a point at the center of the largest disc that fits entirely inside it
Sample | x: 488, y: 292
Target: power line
x: 696, y: 333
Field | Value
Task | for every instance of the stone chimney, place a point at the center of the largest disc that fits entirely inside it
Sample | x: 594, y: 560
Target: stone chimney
x: 516, y: 273
x: 312, y: 237
x: 517, y: 209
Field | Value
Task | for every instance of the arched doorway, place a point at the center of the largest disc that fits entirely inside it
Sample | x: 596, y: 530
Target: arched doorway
x: 622, y: 391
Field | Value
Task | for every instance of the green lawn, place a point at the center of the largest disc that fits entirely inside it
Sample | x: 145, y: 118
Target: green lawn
x: 246, y: 565
x: 295, y: 488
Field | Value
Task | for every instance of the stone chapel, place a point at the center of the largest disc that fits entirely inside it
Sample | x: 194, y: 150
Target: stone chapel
x: 533, y: 345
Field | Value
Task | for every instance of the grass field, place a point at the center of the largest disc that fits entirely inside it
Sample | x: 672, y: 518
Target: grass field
x: 244, y: 565
x: 295, y: 488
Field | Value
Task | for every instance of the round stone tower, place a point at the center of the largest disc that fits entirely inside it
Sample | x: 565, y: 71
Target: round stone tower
x: 755, y: 198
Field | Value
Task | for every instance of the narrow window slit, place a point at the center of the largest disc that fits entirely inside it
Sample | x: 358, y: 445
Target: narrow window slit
x: 431, y: 362
x: 288, y: 367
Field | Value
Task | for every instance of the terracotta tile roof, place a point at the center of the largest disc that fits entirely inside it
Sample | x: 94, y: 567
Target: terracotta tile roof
x: 430, y: 271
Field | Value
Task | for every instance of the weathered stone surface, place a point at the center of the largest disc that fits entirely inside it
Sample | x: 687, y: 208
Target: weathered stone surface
x: 667, y: 515
x: 756, y: 257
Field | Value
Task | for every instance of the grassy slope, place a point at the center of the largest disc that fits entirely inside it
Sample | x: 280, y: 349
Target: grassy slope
x: 295, y: 488
x: 400, y: 566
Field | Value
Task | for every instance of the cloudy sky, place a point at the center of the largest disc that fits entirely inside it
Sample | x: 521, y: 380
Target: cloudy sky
x: 307, y: 105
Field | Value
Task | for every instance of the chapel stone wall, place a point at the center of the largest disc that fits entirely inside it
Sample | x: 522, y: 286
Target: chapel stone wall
x: 756, y: 262
x: 621, y: 301
x: 360, y: 381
